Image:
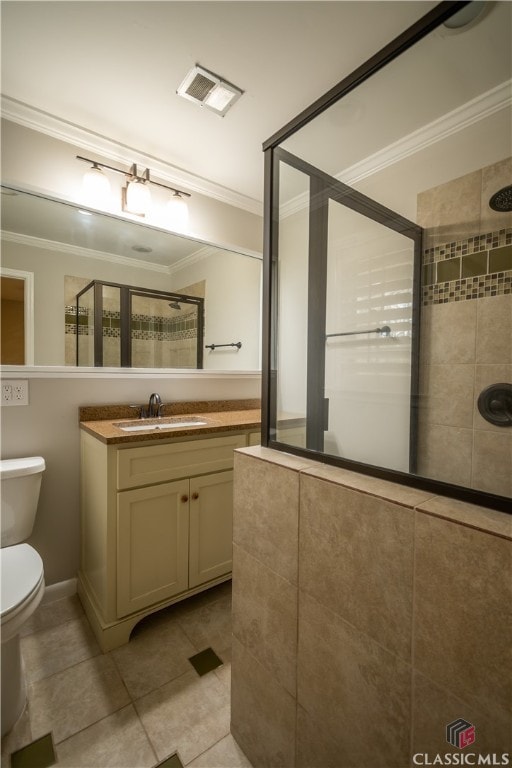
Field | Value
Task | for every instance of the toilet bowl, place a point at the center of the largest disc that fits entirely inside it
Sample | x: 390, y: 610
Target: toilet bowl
x: 22, y: 574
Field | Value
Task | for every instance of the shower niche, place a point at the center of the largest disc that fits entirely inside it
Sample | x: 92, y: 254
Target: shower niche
x: 124, y: 326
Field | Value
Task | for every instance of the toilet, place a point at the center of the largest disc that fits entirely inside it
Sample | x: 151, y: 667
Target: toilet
x: 22, y: 574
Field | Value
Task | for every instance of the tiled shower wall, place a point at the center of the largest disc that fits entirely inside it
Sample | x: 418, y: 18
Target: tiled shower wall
x: 466, y: 330
x: 367, y: 616
x: 158, y: 341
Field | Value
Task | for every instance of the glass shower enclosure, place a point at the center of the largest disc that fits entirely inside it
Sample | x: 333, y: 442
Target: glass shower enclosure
x: 123, y: 326
x: 388, y: 264
x: 346, y: 351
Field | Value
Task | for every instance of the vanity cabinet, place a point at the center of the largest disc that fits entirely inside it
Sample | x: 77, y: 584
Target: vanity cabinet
x: 171, y: 537
x: 156, y: 523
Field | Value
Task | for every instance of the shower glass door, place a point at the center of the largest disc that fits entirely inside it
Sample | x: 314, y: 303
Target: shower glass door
x: 124, y: 326
x: 345, y: 350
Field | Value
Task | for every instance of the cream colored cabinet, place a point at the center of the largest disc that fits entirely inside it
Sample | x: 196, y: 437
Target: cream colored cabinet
x: 211, y: 528
x: 152, y: 545
x: 156, y: 526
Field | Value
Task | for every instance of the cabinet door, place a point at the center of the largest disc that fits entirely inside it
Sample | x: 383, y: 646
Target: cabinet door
x: 211, y: 527
x: 152, y: 545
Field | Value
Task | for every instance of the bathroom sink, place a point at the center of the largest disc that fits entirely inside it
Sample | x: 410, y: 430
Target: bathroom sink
x: 148, y: 425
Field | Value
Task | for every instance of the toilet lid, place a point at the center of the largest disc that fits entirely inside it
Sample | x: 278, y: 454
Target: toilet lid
x: 26, y: 466
x: 22, y: 573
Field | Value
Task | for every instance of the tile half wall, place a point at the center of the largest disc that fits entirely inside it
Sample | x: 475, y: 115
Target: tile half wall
x: 367, y: 616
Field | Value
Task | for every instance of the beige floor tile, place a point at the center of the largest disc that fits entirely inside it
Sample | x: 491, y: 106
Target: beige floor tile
x: 225, y: 754
x: 117, y: 741
x: 157, y: 653
x: 188, y: 715
x: 56, y: 648
x: 71, y: 700
x: 53, y: 614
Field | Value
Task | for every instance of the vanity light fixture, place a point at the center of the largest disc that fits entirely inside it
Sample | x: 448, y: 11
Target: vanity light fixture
x: 209, y: 90
x: 136, y: 195
x: 177, y: 210
x: 96, y: 185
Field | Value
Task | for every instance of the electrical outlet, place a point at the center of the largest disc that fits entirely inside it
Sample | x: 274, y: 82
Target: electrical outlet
x: 15, y: 392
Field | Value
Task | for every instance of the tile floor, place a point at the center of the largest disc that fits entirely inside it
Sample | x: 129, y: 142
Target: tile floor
x: 137, y: 705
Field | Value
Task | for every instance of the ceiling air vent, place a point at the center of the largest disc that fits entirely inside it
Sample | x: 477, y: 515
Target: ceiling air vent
x: 209, y: 90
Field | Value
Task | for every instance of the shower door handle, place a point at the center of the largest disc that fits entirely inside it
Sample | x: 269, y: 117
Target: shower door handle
x: 326, y: 414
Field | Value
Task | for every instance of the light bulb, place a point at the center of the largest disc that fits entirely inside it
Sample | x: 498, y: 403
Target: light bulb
x: 138, y: 198
x: 96, y: 187
x: 177, y: 210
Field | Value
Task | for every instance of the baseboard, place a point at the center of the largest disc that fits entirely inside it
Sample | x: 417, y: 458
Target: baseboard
x: 57, y: 591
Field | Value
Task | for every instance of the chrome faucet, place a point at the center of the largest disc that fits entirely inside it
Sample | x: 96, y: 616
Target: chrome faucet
x: 155, y: 405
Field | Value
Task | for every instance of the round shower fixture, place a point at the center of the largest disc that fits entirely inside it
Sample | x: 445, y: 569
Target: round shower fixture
x: 502, y: 200
x: 495, y: 404
x: 467, y: 15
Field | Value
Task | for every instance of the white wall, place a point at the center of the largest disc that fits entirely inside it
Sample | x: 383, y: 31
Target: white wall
x: 48, y: 427
x: 232, y: 307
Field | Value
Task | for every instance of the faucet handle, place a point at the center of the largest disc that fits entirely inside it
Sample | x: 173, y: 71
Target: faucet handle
x: 140, y: 409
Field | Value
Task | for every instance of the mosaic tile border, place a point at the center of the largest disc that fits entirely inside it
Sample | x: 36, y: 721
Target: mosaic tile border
x: 145, y: 327
x: 475, y: 268
x: 481, y: 287
x: 474, y: 244
x: 115, y: 333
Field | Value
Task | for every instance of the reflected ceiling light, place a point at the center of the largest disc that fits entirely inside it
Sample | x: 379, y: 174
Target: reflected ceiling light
x: 209, y: 90
x: 177, y: 210
x: 96, y: 186
x: 136, y: 195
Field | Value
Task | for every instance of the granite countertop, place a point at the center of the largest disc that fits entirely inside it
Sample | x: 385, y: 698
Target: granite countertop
x: 220, y: 418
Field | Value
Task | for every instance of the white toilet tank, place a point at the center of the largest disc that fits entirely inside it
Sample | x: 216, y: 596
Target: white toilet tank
x: 20, y: 481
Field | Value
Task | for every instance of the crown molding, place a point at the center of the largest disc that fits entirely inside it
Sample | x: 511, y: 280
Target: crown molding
x: 74, y: 250
x: 193, y: 258
x: 473, y: 111
x: 63, y: 130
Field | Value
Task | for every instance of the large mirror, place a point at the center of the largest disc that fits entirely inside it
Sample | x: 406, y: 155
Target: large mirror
x: 51, y: 252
